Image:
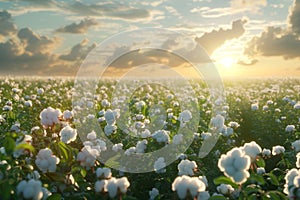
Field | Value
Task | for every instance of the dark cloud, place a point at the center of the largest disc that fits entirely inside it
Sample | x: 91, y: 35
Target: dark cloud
x: 7, y: 27
x: 35, y: 43
x: 81, y: 27
x: 78, y: 52
x: 277, y: 41
x: 212, y: 40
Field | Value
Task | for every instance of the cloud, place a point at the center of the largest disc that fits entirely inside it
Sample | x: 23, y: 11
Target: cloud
x: 212, y: 40
x: 277, y: 41
x: 78, y: 52
x: 7, y: 27
x: 243, y: 5
x: 81, y: 27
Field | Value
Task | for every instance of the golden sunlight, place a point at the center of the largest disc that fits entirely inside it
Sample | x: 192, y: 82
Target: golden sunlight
x: 227, y: 62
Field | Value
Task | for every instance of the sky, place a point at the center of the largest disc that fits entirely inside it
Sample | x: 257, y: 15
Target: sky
x: 258, y: 38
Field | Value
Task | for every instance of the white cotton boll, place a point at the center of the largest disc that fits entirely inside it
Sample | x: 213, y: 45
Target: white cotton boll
x: 254, y: 106
x: 260, y: 170
x: 87, y: 156
x: 297, y: 181
x: 145, y: 133
x: 203, y: 195
x: 225, y: 189
x: 31, y: 189
x: 114, y: 184
x: 177, y: 139
x: 159, y: 165
x: 141, y: 146
x: 252, y: 149
x: 91, y: 136
x: 266, y: 152
x: 68, y: 114
x: 100, y: 144
x: 186, y: 167
x: 105, y: 103
x: 45, y: 161
x: 123, y: 184
x: 40, y: 91
x: 130, y: 151
x: 109, y: 129
x: 296, y: 145
x: 46, y: 193
x: 298, y: 160
x: 297, y: 106
x: 110, y: 117
x: 265, y: 108
x: 233, y: 124
x: 50, y: 116
x: 100, y: 186
x: 183, y: 184
x: 290, y: 128
x: 185, y: 116
x: 276, y: 150
x: 28, y: 103
x: 153, y: 193
x: 204, y: 180
x: 289, y: 181
x: 117, y: 147
x: 161, y: 136
x: 103, y: 172
x: 139, y: 105
x: 68, y: 134
x: 218, y: 122
x: 235, y: 165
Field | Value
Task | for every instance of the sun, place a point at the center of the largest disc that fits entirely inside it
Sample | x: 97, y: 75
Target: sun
x: 227, y: 62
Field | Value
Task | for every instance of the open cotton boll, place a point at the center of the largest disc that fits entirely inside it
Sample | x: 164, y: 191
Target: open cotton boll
x: 184, y: 184
x: 161, y: 136
x: 289, y: 181
x: 185, y: 116
x: 177, y: 139
x: 114, y: 185
x: 45, y: 161
x: 109, y: 117
x: 117, y: 147
x: 100, y: 186
x: 50, y: 116
x: 141, y: 146
x: 159, y: 165
x: 68, y: 114
x: 290, y: 128
x: 28, y: 103
x: 130, y: 151
x: 276, y: 150
x: 103, y: 172
x: 68, y: 134
x: 218, y: 122
x: 252, y: 149
x: 87, y: 156
x: 31, y: 189
x: 254, y: 106
x: 296, y: 145
x: 109, y: 129
x: 260, y: 170
x: 235, y: 164
x: 91, y: 136
x: 153, y: 193
x: 186, y: 167
x: 266, y: 152
x: 203, y: 195
x: 225, y: 189
x: 298, y: 160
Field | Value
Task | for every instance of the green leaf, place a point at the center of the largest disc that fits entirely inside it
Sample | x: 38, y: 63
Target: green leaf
x: 217, y: 198
x: 25, y: 146
x: 112, y: 162
x: 54, y: 197
x: 260, y: 162
x: 83, y: 172
x: 9, y: 145
x: 273, y: 179
x: 222, y: 179
x: 257, y: 178
x: 55, y: 176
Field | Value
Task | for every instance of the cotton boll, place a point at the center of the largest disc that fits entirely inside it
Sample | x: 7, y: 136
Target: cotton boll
x: 91, y: 136
x: 145, y: 133
x: 161, y: 136
x: 68, y: 134
x: 252, y: 149
x: 203, y: 195
x: 289, y: 181
x: 296, y: 145
x: 117, y: 147
x: 45, y: 161
x: 254, y: 106
x: 130, y: 151
x: 31, y: 189
x: 266, y: 152
x: 177, y: 139
x: 103, y: 172
x: 290, y: 128
x: 184, y: 117
x: 114, y: 184
x: 183, y: 184
x: 218, y: 122
x: 260, y: 170
x: 159, y: 165
x: 298, y: 160
x: 28, y: 103
x: 110, y: 129
x: 141, y: 146
x: 68, y: 114
x: 153, y: 193
x: 186, y: 167
x: 276, y: 150
x: 87, y: 156
x: 225, y: 189
x: 109, y: 117
x: 100, y: 186
x: 205, y: 136
x: 50, y: 116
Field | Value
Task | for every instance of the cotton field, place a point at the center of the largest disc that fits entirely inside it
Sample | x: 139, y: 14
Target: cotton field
x: 143, y: 142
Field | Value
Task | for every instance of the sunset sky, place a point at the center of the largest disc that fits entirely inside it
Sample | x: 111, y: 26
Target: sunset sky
x: 257, y: 38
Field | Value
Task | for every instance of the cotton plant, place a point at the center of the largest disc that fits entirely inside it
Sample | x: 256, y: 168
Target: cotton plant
x: 252, y: 149
x: 68, y: 134
x: 46, y: 161
x: 188, y: 186
x: 50, y: 116
x: 186, y: 167
x: 113, y: 186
